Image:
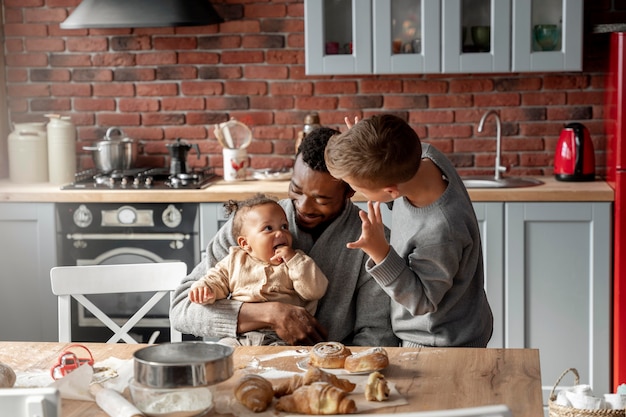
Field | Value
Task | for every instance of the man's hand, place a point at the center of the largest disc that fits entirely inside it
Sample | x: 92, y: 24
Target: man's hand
x: 372, y: 240
x: 291, y: 323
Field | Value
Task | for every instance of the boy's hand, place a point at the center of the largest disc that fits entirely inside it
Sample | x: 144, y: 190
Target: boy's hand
x: 349, y: 123
x: 372, y: 240
x: 201, y: 295
x: 282, y: 254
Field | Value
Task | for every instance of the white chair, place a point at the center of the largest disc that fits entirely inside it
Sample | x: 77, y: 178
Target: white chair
x: 30, y: 402
x: 77, y: 281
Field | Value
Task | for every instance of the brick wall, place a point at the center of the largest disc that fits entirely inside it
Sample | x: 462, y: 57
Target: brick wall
x: 165, y: 83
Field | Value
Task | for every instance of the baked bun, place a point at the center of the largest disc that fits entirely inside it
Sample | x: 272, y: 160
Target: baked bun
x: 330, y: 355
x: 376, y: 388
x: 369, y: 360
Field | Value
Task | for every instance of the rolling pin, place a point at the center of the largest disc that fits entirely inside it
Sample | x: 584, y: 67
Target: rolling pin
x: 113, y: 403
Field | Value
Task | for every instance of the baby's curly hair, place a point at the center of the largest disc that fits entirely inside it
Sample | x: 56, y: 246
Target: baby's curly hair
x: 239, y: 208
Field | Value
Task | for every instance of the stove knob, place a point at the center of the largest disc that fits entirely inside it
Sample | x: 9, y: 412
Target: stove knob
x: 82, y: 216
x: 148, y: 181
x: 124, y: 181
x: 172, y: 217
x: 126, y: 215
x: 136, y: 182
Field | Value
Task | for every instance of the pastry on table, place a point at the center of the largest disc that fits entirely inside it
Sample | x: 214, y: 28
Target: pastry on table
x: 369, y: 360
x: 329, y: 355
x: 312, y: 374
x: 376, y: 388
x: 255, y: 392
x: 317, y: 398
x: 7, y: 376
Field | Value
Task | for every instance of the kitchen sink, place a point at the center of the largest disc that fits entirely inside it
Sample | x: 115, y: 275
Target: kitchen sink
x: 486, y: 181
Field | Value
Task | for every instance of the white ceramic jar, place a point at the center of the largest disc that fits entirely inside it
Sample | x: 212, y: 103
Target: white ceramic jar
x: 28, y: 153
x: 61, y: 149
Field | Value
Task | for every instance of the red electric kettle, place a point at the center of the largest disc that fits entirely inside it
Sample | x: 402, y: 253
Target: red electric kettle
x: 574, y: 159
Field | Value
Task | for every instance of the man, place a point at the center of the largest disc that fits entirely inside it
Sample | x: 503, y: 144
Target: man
x: 322, y: 219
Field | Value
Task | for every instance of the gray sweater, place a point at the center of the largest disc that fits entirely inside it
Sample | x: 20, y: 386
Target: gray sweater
x: 355, y: 310
x: 434, y: 271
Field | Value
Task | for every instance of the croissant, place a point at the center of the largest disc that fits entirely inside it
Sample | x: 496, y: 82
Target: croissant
x: 317, y: 398
x: 313, y: 374
x: 376, y: 388
x: 255, y: 392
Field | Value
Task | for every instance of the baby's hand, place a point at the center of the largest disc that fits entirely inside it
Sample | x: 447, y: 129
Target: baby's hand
x: 282, y: 254
x: 201, y: 295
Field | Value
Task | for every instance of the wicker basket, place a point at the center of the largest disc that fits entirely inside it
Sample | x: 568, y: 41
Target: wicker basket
x: 556, y: 410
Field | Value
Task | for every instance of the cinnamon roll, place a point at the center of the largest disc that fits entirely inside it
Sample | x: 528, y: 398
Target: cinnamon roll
x: 330, y: 355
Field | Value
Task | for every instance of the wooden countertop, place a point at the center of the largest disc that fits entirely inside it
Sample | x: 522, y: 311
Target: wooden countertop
x: 429, y: 378
x: 221, y: 191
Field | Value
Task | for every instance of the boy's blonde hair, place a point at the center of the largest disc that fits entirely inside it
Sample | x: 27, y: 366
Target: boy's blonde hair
x: 379, y: 151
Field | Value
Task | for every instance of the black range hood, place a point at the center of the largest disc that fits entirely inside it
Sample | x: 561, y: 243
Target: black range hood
x: 91, y: 14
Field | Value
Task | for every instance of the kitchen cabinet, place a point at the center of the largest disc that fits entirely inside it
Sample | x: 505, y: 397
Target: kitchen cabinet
x: 557, y: 280
x: 28, y: 309
x: 442, y: 36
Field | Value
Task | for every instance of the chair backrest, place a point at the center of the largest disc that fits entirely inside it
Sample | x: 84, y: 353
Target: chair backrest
x: 77, y: 281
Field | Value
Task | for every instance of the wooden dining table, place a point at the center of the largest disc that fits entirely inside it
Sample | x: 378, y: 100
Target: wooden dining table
x: 429, y: 378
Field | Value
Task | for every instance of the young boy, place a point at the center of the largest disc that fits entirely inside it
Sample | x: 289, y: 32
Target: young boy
x: 264, y: 267
x: 432, y: 268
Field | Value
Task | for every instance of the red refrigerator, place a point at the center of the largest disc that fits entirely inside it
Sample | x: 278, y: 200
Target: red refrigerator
x: 616, y: 177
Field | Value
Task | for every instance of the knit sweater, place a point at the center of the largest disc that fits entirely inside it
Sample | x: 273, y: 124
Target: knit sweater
x: 434, y: 270
x: 354, y: 310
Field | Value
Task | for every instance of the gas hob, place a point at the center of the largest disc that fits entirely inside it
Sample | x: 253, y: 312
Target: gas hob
x: 142, y: 179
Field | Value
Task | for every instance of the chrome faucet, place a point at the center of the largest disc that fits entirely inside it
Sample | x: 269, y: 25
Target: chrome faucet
x: 499, y: 168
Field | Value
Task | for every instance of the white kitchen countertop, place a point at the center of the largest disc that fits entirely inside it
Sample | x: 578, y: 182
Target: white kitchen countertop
x: 221, y: 191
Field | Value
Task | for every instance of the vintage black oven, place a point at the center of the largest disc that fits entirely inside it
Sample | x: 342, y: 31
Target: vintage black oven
x: 118, y: 233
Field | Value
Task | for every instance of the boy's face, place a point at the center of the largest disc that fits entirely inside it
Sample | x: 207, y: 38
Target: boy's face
x: 372, y: 194
x: 265, y: 229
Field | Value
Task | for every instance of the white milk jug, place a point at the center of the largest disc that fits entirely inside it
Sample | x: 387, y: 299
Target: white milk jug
x: 61, y: 149
x: 28, y: 153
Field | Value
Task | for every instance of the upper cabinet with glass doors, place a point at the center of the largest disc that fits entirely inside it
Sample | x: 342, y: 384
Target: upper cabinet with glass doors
x: 442, y: 36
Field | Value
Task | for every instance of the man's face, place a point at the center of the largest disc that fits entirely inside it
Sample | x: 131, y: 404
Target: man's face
x: 317, y: 197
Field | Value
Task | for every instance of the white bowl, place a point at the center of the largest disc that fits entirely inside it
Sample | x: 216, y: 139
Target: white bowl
x: 171, y: 402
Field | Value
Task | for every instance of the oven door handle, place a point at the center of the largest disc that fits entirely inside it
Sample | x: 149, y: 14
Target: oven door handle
x: 128, y: 236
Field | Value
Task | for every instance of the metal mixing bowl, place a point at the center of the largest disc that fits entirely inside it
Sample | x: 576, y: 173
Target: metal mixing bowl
x: 183, y: 364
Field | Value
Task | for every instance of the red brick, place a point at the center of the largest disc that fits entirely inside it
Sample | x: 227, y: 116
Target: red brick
x: 379, y: 86
x: 424, y: 86
x: 518, y: 84
x: 89, y: 44
x: 263, y: 41
x: 83, y: 74
x: 58, y: 60
x: 245, y: 88
x: 292, y: 27
x: 201, y: 58
x: 220, y: 73
x: 431, y: 116
x: 450, y: 131
x: 28, y: 90
x: 18, y: 106
x: 273, y: 132
x: 176, y: 43
x: 118, y: 119
x: 242, y: 57
x: 565, y: 82
x: 160, y: 58
x: 131, y: 43
x: 452, y: 100
x: 26, y: 60
x: 94, y: 104
x: 285, y: 57
x: 227, y: 103
x: 157, y: 89
x: 266, y: 72
x: 44, y: 15
x: 205, y: 118
x: 256, y: 11
x: 138, y: 105
x: 543, y: 98
x: 292, y: 88
x: 50, y: 104
x: 176, y: 73
x: 70, y: 90
x: 28, y: 30
x: 133, y: 74
x: 316, y: 103
x: 240, y: 26
x: 187, y: 103
x: 497, y: 99
x: 17, y: 75
x: 219, y: 42
x: 586, y: 97
x: 254, y: 118
x: 295, y: 40
x: 47, y: 75
x: 405, y: 101
x: 569, y: 113
x: 44, y: 45
x: 113, y: 90
x: 470, y: 85
x: 195, y: 88
x: 336, y: 87
x: 23, y: 3
x: 185, y: 132
x: 162, y: 118
x: 14, y: 45
x: 114, y: 60
x: 271, y: 103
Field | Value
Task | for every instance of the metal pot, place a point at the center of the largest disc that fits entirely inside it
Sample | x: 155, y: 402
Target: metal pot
x: 115, y: 152
x: 183, y: 364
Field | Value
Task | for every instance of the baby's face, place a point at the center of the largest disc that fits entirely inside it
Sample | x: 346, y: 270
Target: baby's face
x: 265, y: 229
